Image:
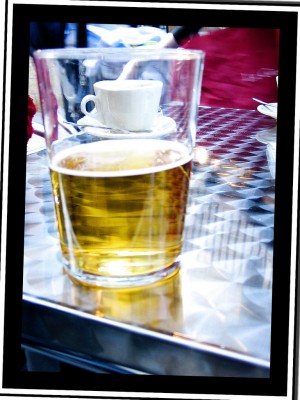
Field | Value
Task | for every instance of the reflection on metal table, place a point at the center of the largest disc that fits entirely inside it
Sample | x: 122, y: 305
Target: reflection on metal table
x: 213, y: 318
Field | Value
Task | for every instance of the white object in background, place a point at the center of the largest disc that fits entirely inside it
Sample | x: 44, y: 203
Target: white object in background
x: 35, y: 143
x: 122, y: 36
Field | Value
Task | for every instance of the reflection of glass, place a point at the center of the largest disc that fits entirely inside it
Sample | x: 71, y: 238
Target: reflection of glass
x: 157, y: 306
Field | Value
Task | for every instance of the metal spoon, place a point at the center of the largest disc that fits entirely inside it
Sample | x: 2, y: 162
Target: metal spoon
x: 105, y: 128
x: 271, y: 107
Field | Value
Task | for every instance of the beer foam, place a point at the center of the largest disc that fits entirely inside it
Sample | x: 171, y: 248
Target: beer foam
x: 112, y: 158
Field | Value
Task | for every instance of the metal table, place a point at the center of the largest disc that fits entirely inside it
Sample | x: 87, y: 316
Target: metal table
x: 213, y: 318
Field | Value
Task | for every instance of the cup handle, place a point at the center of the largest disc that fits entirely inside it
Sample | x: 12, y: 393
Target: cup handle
x: 84, y: 101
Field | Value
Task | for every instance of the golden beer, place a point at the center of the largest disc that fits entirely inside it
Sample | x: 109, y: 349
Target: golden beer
x: 120, y: 207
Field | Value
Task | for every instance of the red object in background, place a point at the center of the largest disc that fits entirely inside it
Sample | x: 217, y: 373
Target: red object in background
x: 30, y: 114
x: 239, y: 64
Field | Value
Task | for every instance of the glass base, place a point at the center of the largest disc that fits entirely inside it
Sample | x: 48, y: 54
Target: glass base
x: 104, y: 281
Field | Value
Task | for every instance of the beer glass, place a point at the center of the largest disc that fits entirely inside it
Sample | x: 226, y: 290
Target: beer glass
x: 120, y: 189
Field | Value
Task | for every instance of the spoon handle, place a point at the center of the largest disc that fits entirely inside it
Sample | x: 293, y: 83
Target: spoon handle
x: 269, y: 106
x: 260, y: 101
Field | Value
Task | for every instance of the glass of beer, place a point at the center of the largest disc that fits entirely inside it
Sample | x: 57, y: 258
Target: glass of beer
x: 120, y: 128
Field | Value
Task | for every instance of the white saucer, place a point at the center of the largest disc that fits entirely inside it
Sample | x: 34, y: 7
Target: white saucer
x: 267, y: 136
x: 271, y: 112
x: 162, y: 126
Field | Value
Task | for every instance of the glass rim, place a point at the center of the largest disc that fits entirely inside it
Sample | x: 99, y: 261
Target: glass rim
x: 118, y: 53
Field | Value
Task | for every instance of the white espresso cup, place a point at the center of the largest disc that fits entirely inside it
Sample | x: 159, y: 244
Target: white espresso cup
x: 125, y: 104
